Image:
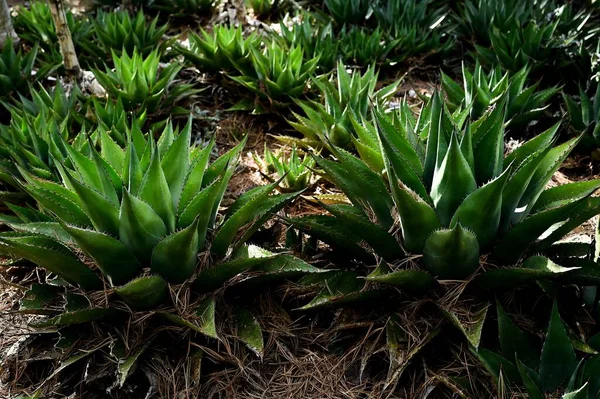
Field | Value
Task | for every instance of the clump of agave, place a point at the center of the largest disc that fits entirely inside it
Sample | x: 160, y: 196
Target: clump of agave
x: 480, y: 90
x: 142, y: 85
x: 16, y: 69
x: 553, y: 368
x: 584, y: 117
x: 457, y: 197
x: 118, y: 31
x: 280, y: 76
x: 226, y: 49
x: 294, y: 172
x: 345, y: 104
x: 131, y: 222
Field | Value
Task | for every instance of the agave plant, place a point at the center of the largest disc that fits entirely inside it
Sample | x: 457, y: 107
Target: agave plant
x: 416, y: 27
x: 476, y: 18
x: 185, y: 8
x: 363, y: 47
x: 263, y: 8
x: 129, y: 223
x: 35, y: 26
x: 443, y: 177
x: 315, y: 39
x: 142, y: 85
x: 584, y: 116
x: 353, y: 12
x: 16, y: 69
x: 280, y: 75
x: 119, y: 31
x: 295, y: 173
x: 345, y: 105
x: 225, y: 50
x: 553, y: 369
x: 481, y: 90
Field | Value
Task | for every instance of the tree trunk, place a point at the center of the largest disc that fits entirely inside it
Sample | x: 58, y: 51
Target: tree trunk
x: 64, y: 38
x: 6, y: 27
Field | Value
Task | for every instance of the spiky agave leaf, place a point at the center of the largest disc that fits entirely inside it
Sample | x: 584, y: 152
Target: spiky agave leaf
x: 444, y: 176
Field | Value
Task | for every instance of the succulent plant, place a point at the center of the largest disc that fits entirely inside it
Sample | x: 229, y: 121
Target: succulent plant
x: 126, y: 224
x: 16, y: 69
x: 280, y: 76
x: 553, y: 369
x: 263, y: 8
x: 315, y: 39
x: 364, y: 47
x: 352, y: 12
x: 416, y: 27
x: 142, y: 85
x: 118, y: 31
x: 480, y: 90
x: 444, y: 175
x: 35, y: 26
x: 185, y: 8
x: 226, y: 49
x: 294, y: 172
x: 584, y: 117
x: 345, y: 105
x: 477, y: 18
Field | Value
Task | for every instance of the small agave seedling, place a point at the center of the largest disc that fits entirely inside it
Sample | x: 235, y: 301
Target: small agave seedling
x: 345, y: 104
x: 457, y: 197
x: 16, y: 69
x: 142, y: 85
x: 554, y: 369
x: 480, y: 90
x: 226, y: 49
x: 119, y: 31
x: 280, y: 76
x: 295, y: 173
x: 128, y: 223
x: 585, y: 117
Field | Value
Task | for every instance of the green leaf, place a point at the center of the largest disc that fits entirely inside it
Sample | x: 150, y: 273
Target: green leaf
x: 140, y: 228
x: 451, y: 253
x: 497, y: 365
x: 103, y: 213
x: 252, y: 216
x: 413, y: 281
x: 206, y: 317
x: 154, y: 190
x: 112, y: 256
x: 452, y: 182
x: 176, y: 161
x: 176, y: 256
x: 143, y: 292
x: 249, y: 331
x: 214, y: 277
x: 37, y: 297
x: 513, y: 341
x: 52, y: 256
x: 78, y: 317
x: 533, y: 269
x: 126, y: 366
x: 472, y: 327
x: 418, y: 219
x: 486, y: 200
x: 558, y: 360
x: 531, y: 381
